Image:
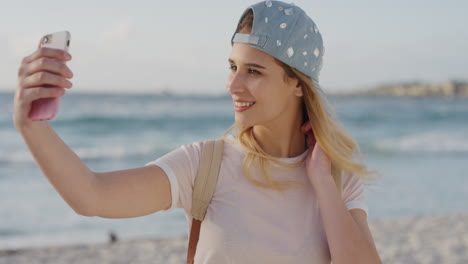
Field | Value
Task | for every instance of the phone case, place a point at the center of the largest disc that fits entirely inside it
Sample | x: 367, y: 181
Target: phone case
x: 47, y: 108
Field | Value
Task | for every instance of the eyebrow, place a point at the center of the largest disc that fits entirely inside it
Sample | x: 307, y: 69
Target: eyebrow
x: 249, y: 64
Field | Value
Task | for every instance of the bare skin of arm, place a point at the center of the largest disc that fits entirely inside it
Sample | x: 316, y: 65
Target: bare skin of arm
x: 115, y: 194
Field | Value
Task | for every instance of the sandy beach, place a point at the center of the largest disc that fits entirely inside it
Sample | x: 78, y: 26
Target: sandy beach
x: 436, y: 239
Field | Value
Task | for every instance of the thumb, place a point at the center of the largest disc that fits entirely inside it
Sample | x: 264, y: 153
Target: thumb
x: 40, y: 42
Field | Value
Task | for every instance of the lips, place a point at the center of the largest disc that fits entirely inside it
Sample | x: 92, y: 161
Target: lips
x: 241, y: 106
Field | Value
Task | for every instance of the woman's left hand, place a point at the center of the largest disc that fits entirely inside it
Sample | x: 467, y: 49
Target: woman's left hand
x: 317, y: 163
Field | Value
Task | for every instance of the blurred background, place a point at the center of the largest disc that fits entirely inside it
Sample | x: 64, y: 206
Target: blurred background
x: 150, y: 76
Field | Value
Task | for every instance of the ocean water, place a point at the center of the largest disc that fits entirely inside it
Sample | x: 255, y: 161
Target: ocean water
x: 420, y: 146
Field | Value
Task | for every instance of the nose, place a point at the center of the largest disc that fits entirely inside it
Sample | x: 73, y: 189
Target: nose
x: 235, y: 83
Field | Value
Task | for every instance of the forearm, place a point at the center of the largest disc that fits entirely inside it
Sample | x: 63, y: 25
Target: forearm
x: 347, y: 242
x: 72, y: 179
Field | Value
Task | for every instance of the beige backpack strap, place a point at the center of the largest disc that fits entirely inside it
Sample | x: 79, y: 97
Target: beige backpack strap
x: 203, y: 189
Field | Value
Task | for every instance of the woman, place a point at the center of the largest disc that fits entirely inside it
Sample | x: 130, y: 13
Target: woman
x: 286, y: 193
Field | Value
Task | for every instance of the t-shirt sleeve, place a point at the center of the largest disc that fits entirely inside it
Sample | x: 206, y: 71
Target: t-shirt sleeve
x: 353, y: 193
x: 181, y: 166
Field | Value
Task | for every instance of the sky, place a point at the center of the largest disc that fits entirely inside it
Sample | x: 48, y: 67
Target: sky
x: 183, y: 46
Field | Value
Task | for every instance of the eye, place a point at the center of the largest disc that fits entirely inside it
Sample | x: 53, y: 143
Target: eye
x: 254, y: 71
x: 250, y: 70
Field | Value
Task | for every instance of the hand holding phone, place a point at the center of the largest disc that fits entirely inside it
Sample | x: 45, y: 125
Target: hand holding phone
x: 47, y: 108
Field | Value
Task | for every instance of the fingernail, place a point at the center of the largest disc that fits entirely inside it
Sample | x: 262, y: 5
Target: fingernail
x: 67, y: 56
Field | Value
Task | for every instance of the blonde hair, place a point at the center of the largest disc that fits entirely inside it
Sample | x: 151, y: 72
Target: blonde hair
x: 336, y: 143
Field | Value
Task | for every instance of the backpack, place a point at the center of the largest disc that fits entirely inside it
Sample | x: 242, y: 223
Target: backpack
x: 203, y: 189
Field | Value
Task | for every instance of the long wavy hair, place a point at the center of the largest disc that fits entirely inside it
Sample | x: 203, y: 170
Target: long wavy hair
x: 337, y: 144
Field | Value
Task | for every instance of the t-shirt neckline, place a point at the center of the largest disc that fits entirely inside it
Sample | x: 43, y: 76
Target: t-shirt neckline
x: 289, y: 160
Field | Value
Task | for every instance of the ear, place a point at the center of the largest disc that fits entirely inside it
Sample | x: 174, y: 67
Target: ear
x: 298, y: 90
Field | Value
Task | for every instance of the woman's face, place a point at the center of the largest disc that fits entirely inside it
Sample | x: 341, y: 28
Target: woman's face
x: 260, y: 94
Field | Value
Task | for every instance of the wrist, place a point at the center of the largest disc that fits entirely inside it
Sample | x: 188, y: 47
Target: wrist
x: 24, y: 127
x: 321, y: 182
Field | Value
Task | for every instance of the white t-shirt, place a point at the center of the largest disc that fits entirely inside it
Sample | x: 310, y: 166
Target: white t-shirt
x: 249, y: 224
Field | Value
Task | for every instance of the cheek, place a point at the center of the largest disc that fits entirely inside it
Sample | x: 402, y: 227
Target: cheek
x: 260, y: 89
x: 271, y: 93
x: 277, y: 100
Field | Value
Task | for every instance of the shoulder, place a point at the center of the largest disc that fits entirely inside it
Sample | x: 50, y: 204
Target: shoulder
x: 230, y: 149
x: 196, y: 148
x: 349, y: 178
x: 353, y: 185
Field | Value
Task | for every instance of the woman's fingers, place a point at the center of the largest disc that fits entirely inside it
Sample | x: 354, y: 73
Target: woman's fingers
x: 35, y: 69
x: 35, y: 93
x: 49, y: 65
x: 310, y: 140
x: 43, y: 78
x: 43, y: 74
x: 49, y: 53
x: 306, y: 127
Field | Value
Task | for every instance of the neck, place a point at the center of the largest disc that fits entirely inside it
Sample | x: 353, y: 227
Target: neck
x: 285, y: 142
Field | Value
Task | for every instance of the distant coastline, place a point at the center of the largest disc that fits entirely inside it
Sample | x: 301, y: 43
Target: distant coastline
x: 447, y: 89
x: 414, y: 89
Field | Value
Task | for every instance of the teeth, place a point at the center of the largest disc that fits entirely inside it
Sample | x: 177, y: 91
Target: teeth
x: 243, y: 104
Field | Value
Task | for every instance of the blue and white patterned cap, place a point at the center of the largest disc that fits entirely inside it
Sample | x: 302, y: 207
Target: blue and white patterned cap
x: 287, y: 33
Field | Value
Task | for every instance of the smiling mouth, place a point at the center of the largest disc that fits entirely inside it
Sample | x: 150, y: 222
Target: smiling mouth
x: 243, y: 104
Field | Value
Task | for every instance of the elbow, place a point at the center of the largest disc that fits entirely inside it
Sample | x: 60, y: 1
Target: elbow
x: 84, y: 210
x: 86, y: 207
x: 87, y: 204
x: 80, y: 206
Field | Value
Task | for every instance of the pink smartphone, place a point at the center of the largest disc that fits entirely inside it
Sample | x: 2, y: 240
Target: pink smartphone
x: 47, y: 108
